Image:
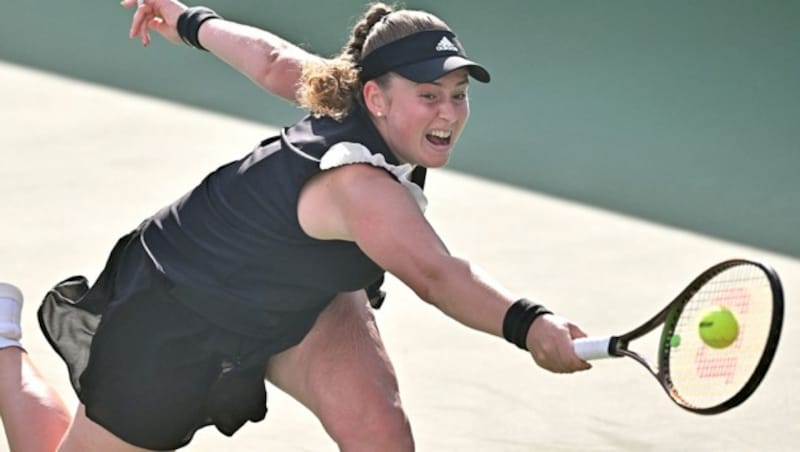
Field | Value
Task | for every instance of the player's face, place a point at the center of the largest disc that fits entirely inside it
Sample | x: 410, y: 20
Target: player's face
x: 422, y: 121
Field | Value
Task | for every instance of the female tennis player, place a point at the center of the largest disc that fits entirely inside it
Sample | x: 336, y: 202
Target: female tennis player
x: 268, y: 267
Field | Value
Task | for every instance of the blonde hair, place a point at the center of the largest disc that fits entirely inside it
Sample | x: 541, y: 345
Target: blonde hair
x: 332, y: 87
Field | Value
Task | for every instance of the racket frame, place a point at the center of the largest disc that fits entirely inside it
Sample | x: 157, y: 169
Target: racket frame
x: 617, y: 346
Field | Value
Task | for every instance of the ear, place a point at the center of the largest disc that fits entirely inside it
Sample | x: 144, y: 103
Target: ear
x: 374, y: 98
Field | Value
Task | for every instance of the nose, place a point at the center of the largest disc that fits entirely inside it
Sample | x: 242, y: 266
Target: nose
x: 448, y: 111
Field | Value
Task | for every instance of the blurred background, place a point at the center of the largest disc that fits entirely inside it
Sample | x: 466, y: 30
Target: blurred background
x: 685, y: 113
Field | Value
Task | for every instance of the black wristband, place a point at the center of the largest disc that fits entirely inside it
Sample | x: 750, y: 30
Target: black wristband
x: 518, y: 321
x: 189, y: 23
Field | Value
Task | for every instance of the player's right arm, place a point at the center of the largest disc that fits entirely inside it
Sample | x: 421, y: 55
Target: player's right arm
x: 268, y: 60
x: 364, y: 204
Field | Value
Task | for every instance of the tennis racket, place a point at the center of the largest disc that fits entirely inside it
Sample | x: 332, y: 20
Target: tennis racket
x: 698, y: 374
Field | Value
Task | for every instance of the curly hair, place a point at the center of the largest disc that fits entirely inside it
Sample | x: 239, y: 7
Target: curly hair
x: 332, y: 87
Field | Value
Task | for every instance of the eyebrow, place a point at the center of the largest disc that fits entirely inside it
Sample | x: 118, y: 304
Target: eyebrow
x: 464, y: 81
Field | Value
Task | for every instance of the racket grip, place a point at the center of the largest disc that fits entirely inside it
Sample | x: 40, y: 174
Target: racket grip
x: 588, y: 348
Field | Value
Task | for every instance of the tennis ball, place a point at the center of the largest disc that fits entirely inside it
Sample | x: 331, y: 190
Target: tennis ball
x: 718, y: 327
x: 675, y: 341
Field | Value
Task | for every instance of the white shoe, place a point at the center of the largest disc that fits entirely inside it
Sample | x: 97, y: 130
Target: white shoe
x: 10, y: 313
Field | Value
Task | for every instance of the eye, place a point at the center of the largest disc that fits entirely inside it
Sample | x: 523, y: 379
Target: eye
x: 428, y: 96
x: 460, y: 96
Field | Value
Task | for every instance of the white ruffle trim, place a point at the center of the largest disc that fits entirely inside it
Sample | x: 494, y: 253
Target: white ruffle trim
x: 345, y: 153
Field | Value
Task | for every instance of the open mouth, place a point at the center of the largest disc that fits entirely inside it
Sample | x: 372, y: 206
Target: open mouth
x: 439, y: 137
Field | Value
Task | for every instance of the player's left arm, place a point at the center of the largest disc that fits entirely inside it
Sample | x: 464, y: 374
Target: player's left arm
x: 268, y: 60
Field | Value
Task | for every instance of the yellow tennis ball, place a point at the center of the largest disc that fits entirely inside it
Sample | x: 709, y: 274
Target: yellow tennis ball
x: 718, y: 327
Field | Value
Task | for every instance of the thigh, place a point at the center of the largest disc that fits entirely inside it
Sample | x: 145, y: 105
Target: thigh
x: 340, y: 370
x: 85, y: 435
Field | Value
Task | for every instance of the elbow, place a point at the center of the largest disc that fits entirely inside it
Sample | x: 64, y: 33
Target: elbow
x: 279, y: 71
x: 272, y: 56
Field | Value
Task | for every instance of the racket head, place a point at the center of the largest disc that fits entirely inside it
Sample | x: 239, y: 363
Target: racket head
x: 710, y: 380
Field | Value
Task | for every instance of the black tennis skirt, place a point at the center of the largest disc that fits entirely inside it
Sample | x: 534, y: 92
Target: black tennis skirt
x: 147, y: 368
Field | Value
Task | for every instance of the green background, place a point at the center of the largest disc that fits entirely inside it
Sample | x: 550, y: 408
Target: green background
x: 681, y: 112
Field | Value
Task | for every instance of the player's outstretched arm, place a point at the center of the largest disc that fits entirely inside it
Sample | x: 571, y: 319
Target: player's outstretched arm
x: 365, y: 205
x: 268, y: 60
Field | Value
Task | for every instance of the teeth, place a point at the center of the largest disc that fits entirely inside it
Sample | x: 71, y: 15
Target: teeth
x: 441, y: 133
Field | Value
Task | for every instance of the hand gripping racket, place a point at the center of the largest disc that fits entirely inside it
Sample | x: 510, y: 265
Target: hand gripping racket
x: 699, y: 374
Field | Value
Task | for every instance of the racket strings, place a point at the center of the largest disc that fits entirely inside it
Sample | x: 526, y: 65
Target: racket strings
x: 702, y: 376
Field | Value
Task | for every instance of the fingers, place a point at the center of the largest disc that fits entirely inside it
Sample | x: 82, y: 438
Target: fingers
x: 158, y: 24
x: 575, y: 361
x: 133, y: 3
x: 575, y: 331
x: 553, y: 348
x: 141, y: 18
x: 561, y: 358
x: 571, y: 361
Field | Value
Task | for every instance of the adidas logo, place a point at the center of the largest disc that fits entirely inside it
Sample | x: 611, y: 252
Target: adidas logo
x: 445, y: 45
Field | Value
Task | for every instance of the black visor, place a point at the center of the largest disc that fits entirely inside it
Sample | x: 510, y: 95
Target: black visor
x: 421, y: 57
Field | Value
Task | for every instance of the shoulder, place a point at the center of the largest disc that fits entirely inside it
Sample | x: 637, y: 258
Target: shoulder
x: 338, y: 202
x: 357, y: 184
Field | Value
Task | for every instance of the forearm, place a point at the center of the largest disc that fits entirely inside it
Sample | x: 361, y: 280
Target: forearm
x: 268, y: 60
x: 467, y: 294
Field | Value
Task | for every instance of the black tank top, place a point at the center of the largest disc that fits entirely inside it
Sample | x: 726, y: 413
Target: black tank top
x: 233, y: 249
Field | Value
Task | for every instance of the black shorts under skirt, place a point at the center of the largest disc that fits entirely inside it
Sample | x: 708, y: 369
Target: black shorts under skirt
x: 147, y: 368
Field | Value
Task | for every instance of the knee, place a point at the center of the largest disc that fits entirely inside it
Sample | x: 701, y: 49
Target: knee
x: 380, y: 426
